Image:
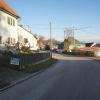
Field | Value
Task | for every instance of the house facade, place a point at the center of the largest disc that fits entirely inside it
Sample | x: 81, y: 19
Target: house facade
x: 26, y: 38
x: 10, y: 31
x: 8, y: 28
x: 8, y: 25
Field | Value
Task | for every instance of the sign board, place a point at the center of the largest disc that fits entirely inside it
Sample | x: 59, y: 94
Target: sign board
x: 14, y: 61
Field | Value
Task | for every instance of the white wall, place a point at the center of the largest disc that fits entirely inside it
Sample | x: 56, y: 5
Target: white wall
x: 23, y: 33
x: 7, y: 30
x: 97, y: 53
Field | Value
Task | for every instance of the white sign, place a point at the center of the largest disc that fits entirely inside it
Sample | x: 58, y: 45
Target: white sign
x: 14, y: 61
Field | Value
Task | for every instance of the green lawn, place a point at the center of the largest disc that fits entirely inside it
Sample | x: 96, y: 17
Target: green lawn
x: 37, y: 67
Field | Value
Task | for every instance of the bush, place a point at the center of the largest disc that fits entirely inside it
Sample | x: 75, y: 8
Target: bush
x: 25, y: 50
x: 89, y: 53
x: 7, y: 53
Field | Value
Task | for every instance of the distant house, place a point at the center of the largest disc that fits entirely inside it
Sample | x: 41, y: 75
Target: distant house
x: 70, y: 44
x: 91, y: 47
x: 10, y: 31
x: 61, y: 45
x: 43, y: 43
x: 92, y: 44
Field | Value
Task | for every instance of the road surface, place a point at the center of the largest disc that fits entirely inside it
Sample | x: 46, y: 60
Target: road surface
x: 71, y: 78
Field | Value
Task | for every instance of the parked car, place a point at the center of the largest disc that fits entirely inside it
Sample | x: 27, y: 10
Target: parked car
x: 59, y: 50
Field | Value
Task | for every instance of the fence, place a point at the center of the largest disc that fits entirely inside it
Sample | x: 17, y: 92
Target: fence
x: 18, y: 61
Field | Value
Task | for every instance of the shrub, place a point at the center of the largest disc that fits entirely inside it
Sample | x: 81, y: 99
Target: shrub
x: 88, y: 53
x: 25, y: 50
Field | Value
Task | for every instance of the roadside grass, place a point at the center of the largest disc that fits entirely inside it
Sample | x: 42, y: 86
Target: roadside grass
x: 37, y: 67
x: 3, y: 84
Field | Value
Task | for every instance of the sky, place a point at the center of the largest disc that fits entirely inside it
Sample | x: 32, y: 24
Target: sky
x: 37, y: 14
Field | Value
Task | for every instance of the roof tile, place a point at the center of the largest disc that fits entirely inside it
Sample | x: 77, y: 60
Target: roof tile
x: 7, y: 8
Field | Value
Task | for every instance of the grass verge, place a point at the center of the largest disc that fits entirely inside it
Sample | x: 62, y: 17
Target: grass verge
x: 37, y: 67
x: 3, y: 84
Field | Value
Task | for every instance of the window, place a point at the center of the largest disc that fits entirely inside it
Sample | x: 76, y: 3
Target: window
x: 0, y: 39
x: 12, y: 41
x: 0, y: 17
x: 25, y: 40
x: 11, y: 21
x: 9, y: 40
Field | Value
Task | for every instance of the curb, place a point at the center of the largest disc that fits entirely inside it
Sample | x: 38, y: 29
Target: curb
x: 94, y: 59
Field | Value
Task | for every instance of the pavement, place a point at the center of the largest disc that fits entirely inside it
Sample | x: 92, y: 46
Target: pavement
x: 71, y: 78
x: 95, y: 58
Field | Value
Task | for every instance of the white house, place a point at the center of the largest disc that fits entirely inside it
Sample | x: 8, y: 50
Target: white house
x: 8, y: 24
x: 10, y: 32
x: 26, y: 38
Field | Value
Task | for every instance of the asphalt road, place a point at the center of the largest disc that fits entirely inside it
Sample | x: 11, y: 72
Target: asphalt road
x: 71, y: 78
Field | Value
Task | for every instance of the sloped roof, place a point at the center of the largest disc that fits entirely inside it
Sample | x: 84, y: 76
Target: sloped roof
x: 21, y: 26
x: 5, y: 7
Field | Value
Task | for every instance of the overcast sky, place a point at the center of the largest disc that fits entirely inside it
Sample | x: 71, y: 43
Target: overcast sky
x: 36, y: 14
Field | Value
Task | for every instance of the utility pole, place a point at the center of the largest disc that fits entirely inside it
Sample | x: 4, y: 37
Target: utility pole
x: 50, y: 40
x: 74, y: 36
